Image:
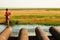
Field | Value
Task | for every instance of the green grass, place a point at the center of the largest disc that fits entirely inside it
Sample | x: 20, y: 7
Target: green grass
x: 35, y: 16
x: 14, y: 18
x: 47, y: 21
x: 13, y: 22
x: 28, y: 16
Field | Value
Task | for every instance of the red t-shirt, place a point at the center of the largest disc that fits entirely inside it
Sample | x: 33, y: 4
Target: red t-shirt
x: 7, y: 14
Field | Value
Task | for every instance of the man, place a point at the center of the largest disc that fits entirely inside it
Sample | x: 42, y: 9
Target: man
x: 7, y: 15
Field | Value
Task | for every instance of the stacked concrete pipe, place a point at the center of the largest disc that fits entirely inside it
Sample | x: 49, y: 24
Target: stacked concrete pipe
x: 40, y: 33
x: 55, y: 33
x: 5, y: 33
x: 23, y: 34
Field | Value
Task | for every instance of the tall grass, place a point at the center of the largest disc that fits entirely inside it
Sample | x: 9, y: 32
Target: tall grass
x: 32, y: 16
x: 35, y: 16
x: 44, y: 22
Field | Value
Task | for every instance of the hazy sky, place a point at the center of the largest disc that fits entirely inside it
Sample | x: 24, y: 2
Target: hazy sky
x: 29, y: 3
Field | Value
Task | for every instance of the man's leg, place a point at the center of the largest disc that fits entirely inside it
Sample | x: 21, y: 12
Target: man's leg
x: 8, y: 22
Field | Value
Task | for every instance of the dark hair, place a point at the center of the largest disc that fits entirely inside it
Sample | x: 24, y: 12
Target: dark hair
x: 6, y: 9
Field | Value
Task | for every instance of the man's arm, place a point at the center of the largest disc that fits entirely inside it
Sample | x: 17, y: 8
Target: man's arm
x: 9, y: 13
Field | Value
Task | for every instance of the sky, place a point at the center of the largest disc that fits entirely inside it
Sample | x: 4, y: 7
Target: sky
x: 29, y: 3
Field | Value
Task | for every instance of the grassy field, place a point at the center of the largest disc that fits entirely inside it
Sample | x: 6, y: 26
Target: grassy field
x: 32, y: 16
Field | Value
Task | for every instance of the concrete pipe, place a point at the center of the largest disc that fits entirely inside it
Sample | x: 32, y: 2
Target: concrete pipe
x: 23, y: 34
x: 5, y: 33
x: 40, y: 33
x: 55, y: 33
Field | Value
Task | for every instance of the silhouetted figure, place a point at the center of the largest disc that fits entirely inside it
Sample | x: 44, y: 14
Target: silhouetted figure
x: 7, y: 15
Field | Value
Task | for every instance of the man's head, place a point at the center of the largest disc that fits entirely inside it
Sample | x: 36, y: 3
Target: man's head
x: 6, y: 9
